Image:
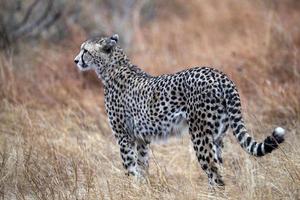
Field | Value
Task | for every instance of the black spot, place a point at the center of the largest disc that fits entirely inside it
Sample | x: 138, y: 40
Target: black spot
x: 248, y: 141
x: 207, y: 159
x: 259, y: 150
x: 239, y: 128
x: 206, y: 140
x: 238, y: 119
x: 142, y: 153
x: 217, y: 124
x: 241, y: 135
x: 270, y: 144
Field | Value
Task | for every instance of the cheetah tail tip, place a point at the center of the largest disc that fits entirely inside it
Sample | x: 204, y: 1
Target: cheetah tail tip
x: 278, y: 134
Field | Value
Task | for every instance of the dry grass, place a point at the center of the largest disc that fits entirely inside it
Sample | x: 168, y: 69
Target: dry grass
x: 55, y: 142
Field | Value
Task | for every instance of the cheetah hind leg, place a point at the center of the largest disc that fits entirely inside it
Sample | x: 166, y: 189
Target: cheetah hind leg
x: 205, y: 152
x: 214, y: 177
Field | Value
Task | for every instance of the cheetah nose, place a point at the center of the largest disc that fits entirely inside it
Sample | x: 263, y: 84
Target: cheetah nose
x: 76, y: 61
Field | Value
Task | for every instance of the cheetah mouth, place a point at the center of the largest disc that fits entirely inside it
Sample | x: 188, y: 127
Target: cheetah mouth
x: 82, y: 66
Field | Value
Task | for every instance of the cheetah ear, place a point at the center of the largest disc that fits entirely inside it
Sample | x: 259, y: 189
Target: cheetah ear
x: 115, y: 38
x: 111, y: 42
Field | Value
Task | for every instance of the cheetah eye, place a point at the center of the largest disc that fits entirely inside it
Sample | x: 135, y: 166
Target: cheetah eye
x: 86, y: 52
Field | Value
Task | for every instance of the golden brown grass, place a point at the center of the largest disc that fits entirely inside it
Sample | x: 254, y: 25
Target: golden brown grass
x: 55, y: 142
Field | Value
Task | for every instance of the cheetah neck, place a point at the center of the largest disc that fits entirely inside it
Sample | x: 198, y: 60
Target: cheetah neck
x: 118, y: 69
x: 117, y: 62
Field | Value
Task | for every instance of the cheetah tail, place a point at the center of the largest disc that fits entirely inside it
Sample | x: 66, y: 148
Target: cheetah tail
x: 248, y: 143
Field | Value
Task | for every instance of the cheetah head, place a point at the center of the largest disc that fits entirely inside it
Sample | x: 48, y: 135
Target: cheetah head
x: 95, y: 52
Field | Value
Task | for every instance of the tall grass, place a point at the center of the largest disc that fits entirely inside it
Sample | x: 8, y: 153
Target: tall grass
x: 55, y: 142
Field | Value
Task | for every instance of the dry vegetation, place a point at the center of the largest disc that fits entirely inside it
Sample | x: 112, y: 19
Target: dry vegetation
x: 55, y: 142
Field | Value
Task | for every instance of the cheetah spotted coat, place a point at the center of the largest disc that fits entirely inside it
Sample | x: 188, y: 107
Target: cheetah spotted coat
x: 143, y: 108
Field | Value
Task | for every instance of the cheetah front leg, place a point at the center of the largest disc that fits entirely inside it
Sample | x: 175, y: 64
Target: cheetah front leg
x: 128, y: 155
x: 143, y: 156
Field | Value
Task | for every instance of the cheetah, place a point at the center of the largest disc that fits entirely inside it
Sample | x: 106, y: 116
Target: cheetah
x: 143, y: 108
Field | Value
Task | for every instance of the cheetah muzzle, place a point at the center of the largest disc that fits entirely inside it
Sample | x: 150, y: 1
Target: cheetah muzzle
x: 143, y: 108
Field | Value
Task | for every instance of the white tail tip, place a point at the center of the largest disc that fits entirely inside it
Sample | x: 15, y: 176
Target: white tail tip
x: 279, y: 131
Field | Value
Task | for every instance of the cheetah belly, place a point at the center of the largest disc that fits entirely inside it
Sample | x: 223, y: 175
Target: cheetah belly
x: 172, y: 125
x: 176, y: 125
x: 179, y: 125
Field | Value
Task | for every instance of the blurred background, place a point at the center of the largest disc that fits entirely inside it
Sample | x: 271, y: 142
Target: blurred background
x: 55, y: 142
